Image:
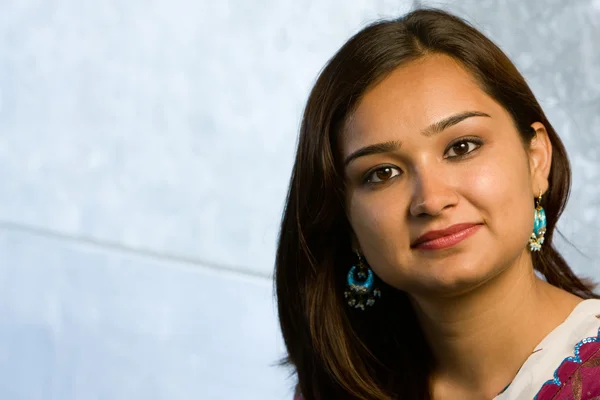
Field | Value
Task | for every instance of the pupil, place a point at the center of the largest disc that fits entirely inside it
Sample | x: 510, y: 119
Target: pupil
x: 384, y: 173
x: 461, y: 148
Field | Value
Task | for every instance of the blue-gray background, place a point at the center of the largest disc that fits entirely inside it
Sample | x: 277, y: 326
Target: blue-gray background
x: 145, y: 149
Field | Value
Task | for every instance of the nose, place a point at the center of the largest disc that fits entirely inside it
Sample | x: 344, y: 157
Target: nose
x: 433, y: 193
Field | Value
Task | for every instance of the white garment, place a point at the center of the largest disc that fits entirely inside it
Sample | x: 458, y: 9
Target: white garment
x: 582, y: 323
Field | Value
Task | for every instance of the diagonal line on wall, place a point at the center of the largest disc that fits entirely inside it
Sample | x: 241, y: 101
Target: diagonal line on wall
x: 121, y: 248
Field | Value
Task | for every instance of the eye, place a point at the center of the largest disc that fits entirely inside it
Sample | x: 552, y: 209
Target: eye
x: 462, y: 148
x: 382, y: 175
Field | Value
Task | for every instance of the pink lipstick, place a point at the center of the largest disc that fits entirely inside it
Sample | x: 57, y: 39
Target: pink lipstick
x: 445, y: 238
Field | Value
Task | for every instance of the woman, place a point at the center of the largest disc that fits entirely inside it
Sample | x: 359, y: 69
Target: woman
x: 409, y: 265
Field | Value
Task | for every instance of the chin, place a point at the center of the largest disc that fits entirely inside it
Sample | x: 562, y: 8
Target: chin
x: 457, y: 287
x: 455, y: 279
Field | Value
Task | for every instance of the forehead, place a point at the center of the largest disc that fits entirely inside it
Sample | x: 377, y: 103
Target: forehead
x: 413, y: 97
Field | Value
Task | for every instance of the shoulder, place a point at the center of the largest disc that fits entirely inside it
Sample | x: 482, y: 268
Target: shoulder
x: 577, y: 367
x: 565, y: 361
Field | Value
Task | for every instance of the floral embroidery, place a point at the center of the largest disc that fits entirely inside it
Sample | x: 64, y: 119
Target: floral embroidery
x: 579, y: 373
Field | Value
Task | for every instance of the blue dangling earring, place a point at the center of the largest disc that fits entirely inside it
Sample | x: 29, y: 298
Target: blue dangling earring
x: 539, y: 226
x: 360, y: 288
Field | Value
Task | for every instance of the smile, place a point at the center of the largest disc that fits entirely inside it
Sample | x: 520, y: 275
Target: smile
x: 443, y: 239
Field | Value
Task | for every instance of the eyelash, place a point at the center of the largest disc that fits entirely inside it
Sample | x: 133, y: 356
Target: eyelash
x: 476, y: 141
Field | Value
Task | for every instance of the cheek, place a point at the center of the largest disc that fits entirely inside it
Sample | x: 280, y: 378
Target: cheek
x: 380, y: 232
x: 378, y: 221
x: 504, y: 196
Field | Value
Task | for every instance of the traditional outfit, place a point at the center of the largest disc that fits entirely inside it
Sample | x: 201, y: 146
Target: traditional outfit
x: 566, y: 363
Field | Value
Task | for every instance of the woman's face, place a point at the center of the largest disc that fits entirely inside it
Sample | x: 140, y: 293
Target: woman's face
x: 440, y: 187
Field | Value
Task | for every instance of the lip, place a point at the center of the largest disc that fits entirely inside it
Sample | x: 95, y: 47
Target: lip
x: 444, y: 238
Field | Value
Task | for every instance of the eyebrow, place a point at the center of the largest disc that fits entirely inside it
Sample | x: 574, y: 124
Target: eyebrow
x: 435, y: 128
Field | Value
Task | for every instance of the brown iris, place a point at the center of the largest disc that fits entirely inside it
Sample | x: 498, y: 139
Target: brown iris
x: 461, y: 148
x: 384, y: 174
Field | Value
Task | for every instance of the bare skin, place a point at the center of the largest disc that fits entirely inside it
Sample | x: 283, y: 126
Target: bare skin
x: 481, y: 339
x: 480, y: 304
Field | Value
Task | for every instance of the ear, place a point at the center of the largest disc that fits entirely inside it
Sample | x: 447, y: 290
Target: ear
x: 540, y: 159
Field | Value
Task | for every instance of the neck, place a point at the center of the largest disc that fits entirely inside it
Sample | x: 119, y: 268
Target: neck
x: 480, y: 339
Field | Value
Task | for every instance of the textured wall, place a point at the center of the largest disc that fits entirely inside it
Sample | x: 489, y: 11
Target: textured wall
x: 145, y: 149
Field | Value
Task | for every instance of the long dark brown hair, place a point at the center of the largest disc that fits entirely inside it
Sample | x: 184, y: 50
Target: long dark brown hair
x: 339, y: 352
